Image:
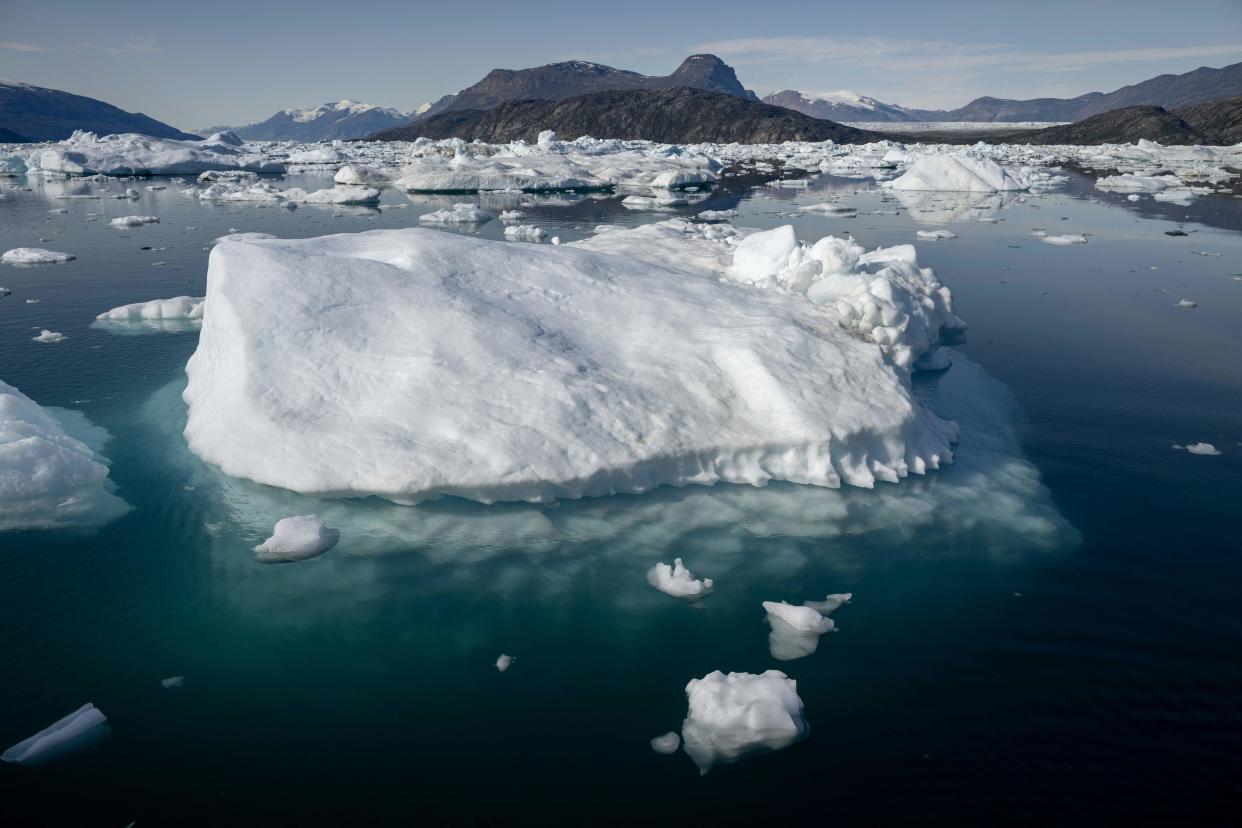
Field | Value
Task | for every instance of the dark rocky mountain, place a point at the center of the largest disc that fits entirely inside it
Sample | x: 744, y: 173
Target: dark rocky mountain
x: 677, y: 115
x: 1214, y: 122
x: 988, y: 109
x: 42, y: 114
x: 1219, y: 121
x: 8, y: 136
x: 340, y: 120
x: 573, y: 78
x: 840, y: 106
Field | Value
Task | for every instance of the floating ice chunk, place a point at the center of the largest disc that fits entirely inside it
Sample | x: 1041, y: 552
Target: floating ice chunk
x: 732, y: 715
x: 1187, y: 303
x: 35, y: 255
x: 134, y: 221
x: 831, y: 603
x: 78, y: 730
x: 49, y: 336
x: 935, y: 235
x: 678, y: 581
x: 1181, y: 195
x: 1134, y: 183
x: 297, y: 538
x: 1205, y: 449
x: 958, y: 173
x: 360, y: 175
x: 717, y: 215
x: 5, y: 292
x: 504, y: 661
x: 654, y: 201
x: 317, y: 157
x: 795, y: 630
x: 804, y: 618
x: 597, y: 374
x: 335, y: 195
x: 666, y: 744
x: 84, y: 153
x: 457, y: 214
x: 512, y: 215
x: 1063, y: 239
x: 172, y: 682
x: 181, y: 313
x: 829, y: 209
x: 525, y: 232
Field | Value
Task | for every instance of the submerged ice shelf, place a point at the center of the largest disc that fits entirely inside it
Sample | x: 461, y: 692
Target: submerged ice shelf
x: 420, y: 363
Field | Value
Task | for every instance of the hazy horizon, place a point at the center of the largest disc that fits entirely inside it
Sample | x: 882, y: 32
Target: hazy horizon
x: 222, y: 64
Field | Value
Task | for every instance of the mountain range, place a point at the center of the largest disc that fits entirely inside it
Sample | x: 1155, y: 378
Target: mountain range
x: 343, y: 120
x: 34, y: 113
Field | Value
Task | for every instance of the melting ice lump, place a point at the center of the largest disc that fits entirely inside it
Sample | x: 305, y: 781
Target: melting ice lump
x: 297, y: 538
x: 49, y: 479
x: 457, y: 214
x: 421, y: 364
x: 732, y: 715
x: 796, y: 630
x: 504, y: 662
x: 958, y: 173
x: 79, y: 729
x: 134, y: 221
x: 179, y: 307
x: 35, y: 255
x: 678, y: 581
x: 667, y: 743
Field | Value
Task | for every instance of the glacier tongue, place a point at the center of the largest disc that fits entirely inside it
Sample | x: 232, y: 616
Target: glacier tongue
x: 411, y: 364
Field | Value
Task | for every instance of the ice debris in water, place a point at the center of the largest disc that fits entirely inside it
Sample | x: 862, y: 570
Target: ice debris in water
x: 35, y: 255
x: 297, y: 538
x: 85, y: 153
x: 732, y: 715
x: 1206, y: 449
x: 598, y: 374
x: 1187, y: 303
x: 958, y: 173
x: 667, y: 743
x: 830, y: 603
x: 511, y: 215
x: 457, y: 214
x: 134, y: 221
x: 525, y: 232
x: 78, y: 730
x: 504, y: 661
x: 795, y: 630
x: 47, y: 336
x: 678, y: 581
x: 717, y: 215
x: 172, y: 682
x: 935, y: 235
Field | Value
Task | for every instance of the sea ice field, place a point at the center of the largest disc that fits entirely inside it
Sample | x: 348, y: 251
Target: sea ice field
x: 702, y: 482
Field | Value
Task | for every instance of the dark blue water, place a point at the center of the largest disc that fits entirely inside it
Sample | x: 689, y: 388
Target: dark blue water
x: 1048, y: 629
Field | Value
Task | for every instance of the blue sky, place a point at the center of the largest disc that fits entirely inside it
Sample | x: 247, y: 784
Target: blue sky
x: 208, y: 62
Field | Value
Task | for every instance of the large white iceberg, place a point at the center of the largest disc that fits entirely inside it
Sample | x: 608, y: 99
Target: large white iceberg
x: 958, y: 173
x: 48, y: 478
x: 412, y: 363
x: 85, y: 153
x: 732, y: 715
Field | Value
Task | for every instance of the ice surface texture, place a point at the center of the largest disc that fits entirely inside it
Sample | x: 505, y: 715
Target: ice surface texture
x: 732, y: 715
x: 411, y: 364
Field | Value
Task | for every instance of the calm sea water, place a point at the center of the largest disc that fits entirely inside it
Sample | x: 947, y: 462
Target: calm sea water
x: 1048, y: 629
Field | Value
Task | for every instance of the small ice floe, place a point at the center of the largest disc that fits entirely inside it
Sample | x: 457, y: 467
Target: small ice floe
x: 1061, y: 239
x: 829, y: 209
x: 80, y: 729
x: 717, y: 215
x: 1187, y: 303
x: 134, y: 221
x: 653, y: 201
x: 35, y: 255
x: 666, y: 744
x: 525, y: 232
x: 129, y: 194
x: 155, y: 188
x: 511, y: 215
x: 172, y: 682
x: 5, y: 292
x: 457, y: 214
x: 795, y: 630
x: 935, y: 235
x: 556, y: 240
x: 1204, y: 449
x: 49, y: 336
x: 183, y: 309
x: 33, y: 301
x: 732, y: 715
x: 297, y: 538
x: 58, y: 211
x: 830, y: 603
x: 678, y: 581
x: 504, y: 662
x: 1133, y: 197
x: 359, y: 175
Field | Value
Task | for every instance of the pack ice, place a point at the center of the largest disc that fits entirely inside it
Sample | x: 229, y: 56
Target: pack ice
x: 411, y: 364
x: 85, y: 153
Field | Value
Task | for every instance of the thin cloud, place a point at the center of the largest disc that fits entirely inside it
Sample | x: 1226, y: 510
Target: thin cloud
x: 138, y: 45
x: 17, y: 46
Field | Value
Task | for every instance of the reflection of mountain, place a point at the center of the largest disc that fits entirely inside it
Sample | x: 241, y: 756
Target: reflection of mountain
x: 932, y: 207
x: 990, y: 503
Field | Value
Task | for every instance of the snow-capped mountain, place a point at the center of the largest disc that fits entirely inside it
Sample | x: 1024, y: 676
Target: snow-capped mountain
x: 840, y: 106
x: 334, y: 120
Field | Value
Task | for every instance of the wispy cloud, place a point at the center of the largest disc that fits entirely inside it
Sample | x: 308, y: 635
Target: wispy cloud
x: 17, y: 46
x: 901, y: 54
x: 147, y: 43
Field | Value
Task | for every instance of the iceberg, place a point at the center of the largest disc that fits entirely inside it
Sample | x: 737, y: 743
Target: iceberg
x: 957, y: 173
x: 181, y: 313
x: 525, y: 232
x: 457, y: 214
x: 78, y: 730
x: 421, y: 364
x: 733, y: 715
x: 35, y: 255
x: 85, y: 153
x: 48, y: 478
x: 795, y: 630
x: 504, y: 661
x: 47, y: 336
x: 134, y: 221
x: 667, y: 743
x: 297, y: 538
x: 678, y: 581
